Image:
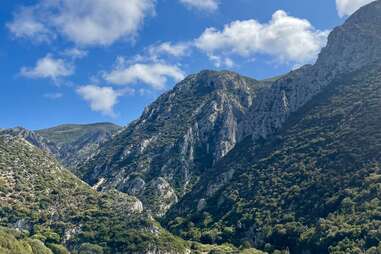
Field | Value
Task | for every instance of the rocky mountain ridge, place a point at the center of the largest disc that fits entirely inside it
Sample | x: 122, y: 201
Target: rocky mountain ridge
x: 186, y: 131
x: 307, y: 179
x: 160, y: 156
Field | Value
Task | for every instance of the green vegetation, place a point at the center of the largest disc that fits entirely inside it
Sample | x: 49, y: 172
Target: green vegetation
x: 315, y: 187
x: 40, y: 197
x: 15, y: 242
x: 54, y: 212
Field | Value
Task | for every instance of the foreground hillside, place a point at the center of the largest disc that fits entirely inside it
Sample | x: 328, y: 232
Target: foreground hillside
x: 49, y: 210
x: 39, y: 196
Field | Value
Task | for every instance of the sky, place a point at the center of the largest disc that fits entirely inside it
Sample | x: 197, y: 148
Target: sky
x: 70, y: 61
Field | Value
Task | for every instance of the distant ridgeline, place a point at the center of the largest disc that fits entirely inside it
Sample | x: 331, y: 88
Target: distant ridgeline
x: 225, y: 163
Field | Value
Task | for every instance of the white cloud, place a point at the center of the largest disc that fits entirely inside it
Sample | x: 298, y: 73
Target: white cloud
x: 155, y: 75
x: 168, y: 48
x: 286, y: 38
x: 25, y: 25
x: 75, y: 53
x: 222, y: 61
x: 101, y: 99
x: 348, y: 7
x: 205, y: 5
x: 85, y: 22
x: 48, y: 67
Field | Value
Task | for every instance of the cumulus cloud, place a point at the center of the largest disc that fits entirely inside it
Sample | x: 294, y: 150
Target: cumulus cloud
x: 205, y: 5
x: 48, y: 67
x: 101, y: 99
x: 348, y: 7
x: 288, y: 39
x: 85, y: 22
x: 155, y: 75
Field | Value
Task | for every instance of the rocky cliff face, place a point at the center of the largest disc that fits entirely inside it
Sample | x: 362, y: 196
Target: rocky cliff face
x: 354, y: 46
x: 160, y: 156
x: 350, y: 47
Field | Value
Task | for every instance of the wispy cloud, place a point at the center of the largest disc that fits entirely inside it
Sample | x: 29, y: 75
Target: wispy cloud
x: 75, y: 53
x: 204, y: 5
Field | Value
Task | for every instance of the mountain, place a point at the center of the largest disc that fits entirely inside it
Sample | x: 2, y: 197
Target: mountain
x: 45, y: 209
x: 77, y: 143
x: 181, y: 136
x: 159, y: 157
x: 306, y: 176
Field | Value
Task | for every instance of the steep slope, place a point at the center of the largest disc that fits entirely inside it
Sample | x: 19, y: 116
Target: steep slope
x: 313, y: 185
x: 51, y: 204
x: 160, y: 156
x: 45, y: 209
x: 77, y: 143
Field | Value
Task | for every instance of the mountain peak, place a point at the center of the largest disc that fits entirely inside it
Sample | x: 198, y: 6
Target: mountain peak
x: 355, y: 44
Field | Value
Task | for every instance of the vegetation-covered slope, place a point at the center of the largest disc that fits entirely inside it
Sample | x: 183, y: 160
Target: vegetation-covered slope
x: 15, y: 242
x: 314, y: 187
x: 75, y: 143
x: 41, y: 197
x: 45, y: 209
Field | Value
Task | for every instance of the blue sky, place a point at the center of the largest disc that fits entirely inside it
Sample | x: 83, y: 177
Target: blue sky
x: 105, y: 60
